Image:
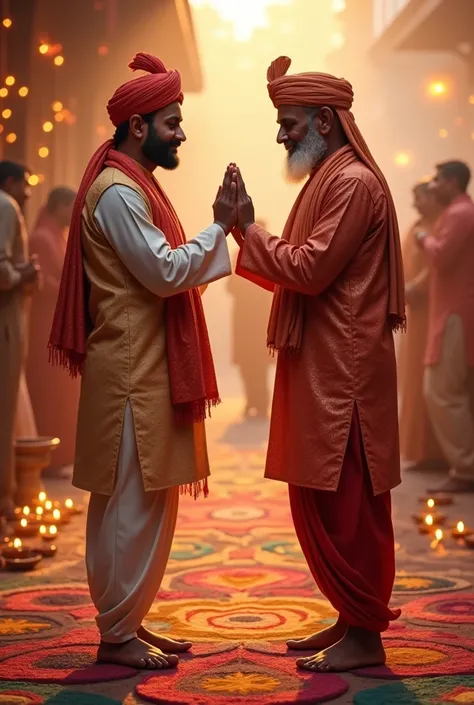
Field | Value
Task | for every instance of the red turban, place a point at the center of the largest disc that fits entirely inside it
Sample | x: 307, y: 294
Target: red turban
x: 319, y: 90
x: 157, y: 89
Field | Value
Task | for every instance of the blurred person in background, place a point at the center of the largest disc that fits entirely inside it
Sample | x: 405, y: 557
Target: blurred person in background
x: 54, y: 395
x: 449, y: 359
x: 18, y: 274
x: 418, y: 446
x: 250, y: 313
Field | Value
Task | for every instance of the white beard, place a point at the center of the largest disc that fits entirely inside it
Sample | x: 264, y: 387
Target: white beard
x: 306, y: 156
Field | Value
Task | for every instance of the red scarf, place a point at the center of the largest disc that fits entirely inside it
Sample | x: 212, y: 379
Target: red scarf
x: 191, y: 368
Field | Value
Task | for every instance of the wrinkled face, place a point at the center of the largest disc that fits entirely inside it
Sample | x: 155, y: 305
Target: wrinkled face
x: 300, y: 133
x: 18, y: 189
x: 442, y: 188
x: 161, y: 138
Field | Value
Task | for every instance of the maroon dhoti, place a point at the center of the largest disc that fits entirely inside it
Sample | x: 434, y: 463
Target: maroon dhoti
x: 348, y: 542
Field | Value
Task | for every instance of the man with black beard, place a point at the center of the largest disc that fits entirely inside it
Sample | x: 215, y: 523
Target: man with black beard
x: 338, y: 295
x: 129, y: 319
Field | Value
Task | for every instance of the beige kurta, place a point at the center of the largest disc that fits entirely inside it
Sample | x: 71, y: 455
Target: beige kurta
x: 13, y: 251
x: 126, y: 359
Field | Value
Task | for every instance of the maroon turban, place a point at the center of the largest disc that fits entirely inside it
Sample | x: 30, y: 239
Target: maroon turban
x: 307, y: 89
x: 147, y: 94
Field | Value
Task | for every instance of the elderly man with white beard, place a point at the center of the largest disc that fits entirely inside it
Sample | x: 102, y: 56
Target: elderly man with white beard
x: 338, y: 287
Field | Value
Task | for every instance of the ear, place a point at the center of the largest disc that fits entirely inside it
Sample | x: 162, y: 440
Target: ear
x: 137, y: 125
x: 325, y: 120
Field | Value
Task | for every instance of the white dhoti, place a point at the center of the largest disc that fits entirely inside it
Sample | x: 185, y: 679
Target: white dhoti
x: 128, y: 542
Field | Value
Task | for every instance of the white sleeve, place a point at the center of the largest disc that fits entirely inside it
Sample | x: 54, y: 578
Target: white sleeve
x: 125, y: 221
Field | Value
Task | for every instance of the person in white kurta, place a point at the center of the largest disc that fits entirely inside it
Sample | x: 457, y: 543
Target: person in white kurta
x: 123, y: 597
x: 144, y: 356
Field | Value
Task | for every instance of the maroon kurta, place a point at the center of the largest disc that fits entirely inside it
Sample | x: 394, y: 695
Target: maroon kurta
x: 54, y: 394
x: 347, y: 355
x: 450, y: 253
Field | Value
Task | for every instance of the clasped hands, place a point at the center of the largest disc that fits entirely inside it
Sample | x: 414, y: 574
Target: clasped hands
x: 233, y: 207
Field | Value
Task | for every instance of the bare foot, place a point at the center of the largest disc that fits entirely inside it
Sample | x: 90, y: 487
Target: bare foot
x: 359, y: 648
x: 136, y: 654
x: 163, y: 643
x: 321, y: 640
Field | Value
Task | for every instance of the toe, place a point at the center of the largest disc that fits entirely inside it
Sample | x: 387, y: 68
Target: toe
x: 172, y: 660
x: 322, y: 666
x: 182, y: 645
x: 304, y: 663
x: 151, y: 664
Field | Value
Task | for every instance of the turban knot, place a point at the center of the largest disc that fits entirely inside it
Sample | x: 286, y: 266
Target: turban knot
x: 307, y: 89
x: 147, y: 94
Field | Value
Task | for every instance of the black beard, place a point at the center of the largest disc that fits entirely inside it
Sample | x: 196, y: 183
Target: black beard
x: 159, y: 151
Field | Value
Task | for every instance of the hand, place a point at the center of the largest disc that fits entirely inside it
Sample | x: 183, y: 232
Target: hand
x: 225, y: 205
x: 245, y: 209
x: 29, y: 271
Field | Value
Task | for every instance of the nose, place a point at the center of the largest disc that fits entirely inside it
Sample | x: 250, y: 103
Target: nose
x: 282, y: 137
x: 180, y: 134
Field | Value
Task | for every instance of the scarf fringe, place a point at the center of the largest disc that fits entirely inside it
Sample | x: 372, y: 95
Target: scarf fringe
x: 195, y: 411
x: 72, y: 361
x: 273, y: 349
x: 399, y: 323
x: 195, y: 489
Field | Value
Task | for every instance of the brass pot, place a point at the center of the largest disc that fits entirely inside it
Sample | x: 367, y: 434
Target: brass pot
x: 32, y: 456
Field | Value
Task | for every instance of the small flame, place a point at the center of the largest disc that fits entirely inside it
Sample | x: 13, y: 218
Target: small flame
x: 69, y: 503
x: 42, y: 529
x: 42, y: 496
x: 48, y: 505
x: 430, y: 503
x: 53, y: 530
x: 17, y: 543
x: 24, y: 523
x: 39, y: 511
x: 460, y: 527
x: 439, y: 534
x: 429, y: 519
x: 57, y: 514
x: 26, y: 511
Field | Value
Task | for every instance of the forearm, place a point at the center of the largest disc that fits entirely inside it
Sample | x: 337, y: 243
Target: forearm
x: 275, y: 260
x: 145, y: 251
x: 199, y: 262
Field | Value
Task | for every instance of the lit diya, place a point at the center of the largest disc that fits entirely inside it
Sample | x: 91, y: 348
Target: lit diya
x: 440, y: 500
x: 73, y: 508
x: 54, y: 517
x: 460, y: 531
x: 20, y: 558
x: 48, y: 533
x: 427, y: 526
x: 437, y: 517
x: 26, y: 527
x: 438, y: 541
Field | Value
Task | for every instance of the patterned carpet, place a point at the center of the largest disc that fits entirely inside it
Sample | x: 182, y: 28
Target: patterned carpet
x: 238, y: 587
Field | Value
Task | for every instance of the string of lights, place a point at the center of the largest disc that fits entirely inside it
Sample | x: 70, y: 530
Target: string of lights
x: 35, y: 131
